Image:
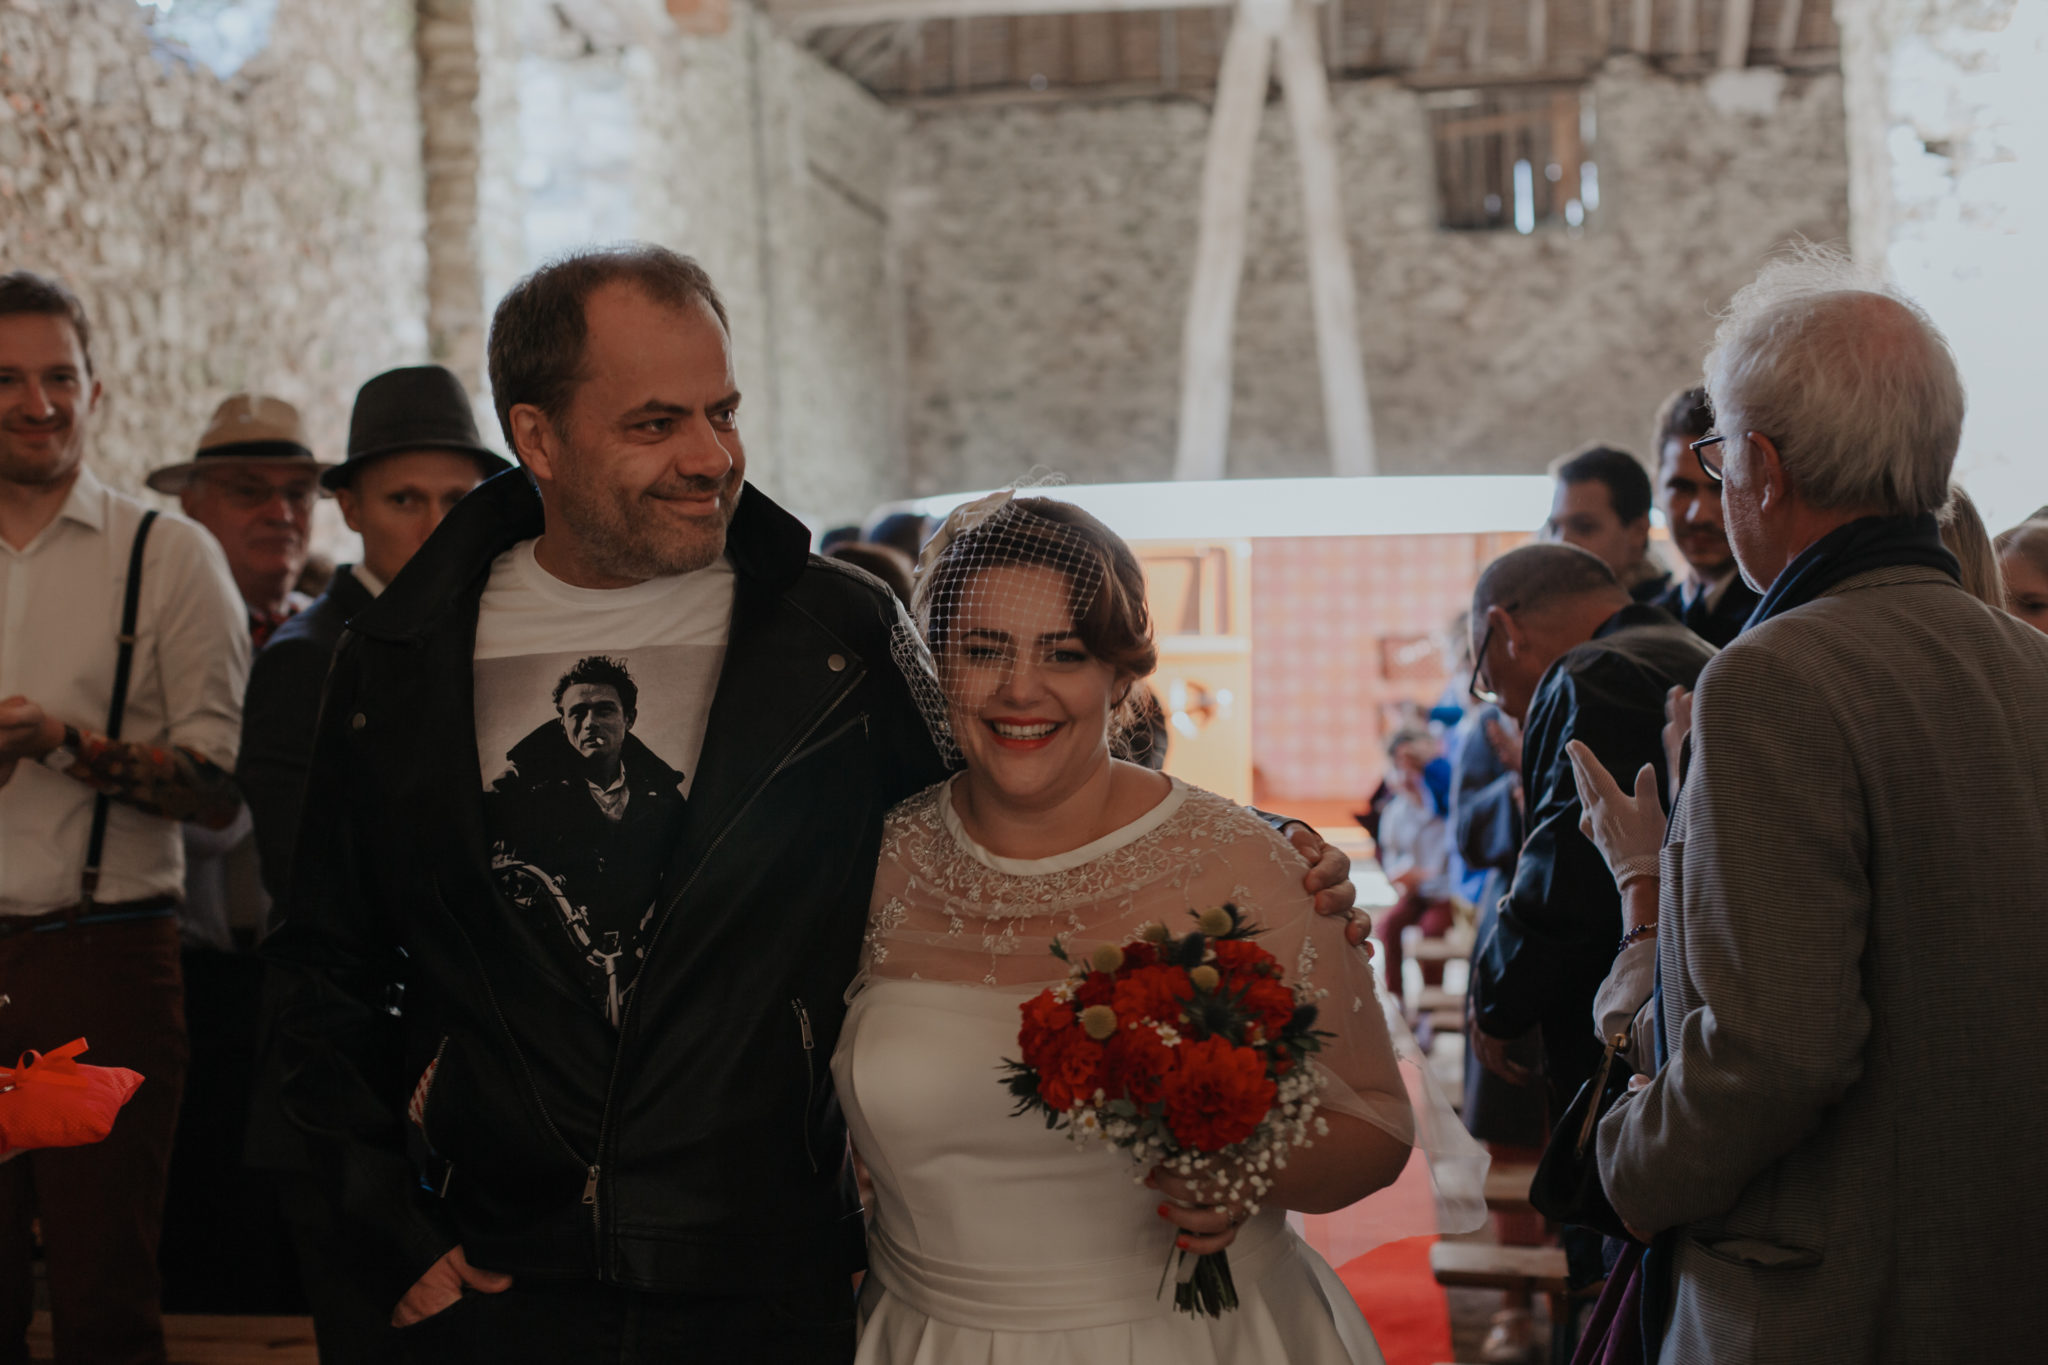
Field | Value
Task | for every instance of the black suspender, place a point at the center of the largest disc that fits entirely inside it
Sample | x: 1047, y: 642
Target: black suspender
x: 124, y: 664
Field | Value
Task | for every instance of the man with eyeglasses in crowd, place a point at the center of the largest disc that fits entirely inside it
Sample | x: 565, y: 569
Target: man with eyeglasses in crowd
x: 84, y: 952
x: 1710, y: 598
x: 1559, y: 646
x: 251, y: 482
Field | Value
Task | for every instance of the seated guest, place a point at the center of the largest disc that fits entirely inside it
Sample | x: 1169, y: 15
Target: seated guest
x: 413, y: 453
x: 1602, y: 505
x: 1711, y: 598
x: 1562, y: 649
x: 1414, y: 853
x: 1837, y: 1161
x: 2023, y: 563
x: 1962, y: 531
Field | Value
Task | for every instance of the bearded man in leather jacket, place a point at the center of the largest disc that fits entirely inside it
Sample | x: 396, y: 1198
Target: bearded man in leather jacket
x: 544, y: 1183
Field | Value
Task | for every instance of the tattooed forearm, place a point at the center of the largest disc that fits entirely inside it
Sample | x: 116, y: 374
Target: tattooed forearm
x: 171, y: 781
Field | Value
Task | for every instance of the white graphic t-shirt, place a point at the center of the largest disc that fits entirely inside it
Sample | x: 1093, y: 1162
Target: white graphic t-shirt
x: 590, y: 713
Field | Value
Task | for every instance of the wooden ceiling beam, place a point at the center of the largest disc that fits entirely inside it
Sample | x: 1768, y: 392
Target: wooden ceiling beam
x: 1735, y: 21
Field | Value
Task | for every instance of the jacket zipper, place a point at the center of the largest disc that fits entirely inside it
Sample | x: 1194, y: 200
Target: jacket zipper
x: 604, y: 1122
x: 803, y: 1021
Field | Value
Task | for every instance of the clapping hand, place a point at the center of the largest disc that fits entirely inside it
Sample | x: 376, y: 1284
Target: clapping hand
x: 1623, y: 827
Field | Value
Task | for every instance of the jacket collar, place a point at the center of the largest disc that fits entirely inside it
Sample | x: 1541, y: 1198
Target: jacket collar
x: 1632, y: 615
x: 766, y: 545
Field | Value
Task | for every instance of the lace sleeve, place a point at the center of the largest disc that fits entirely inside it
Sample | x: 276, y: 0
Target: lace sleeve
x: 1372, y: 1066
x: 1362, y: 1075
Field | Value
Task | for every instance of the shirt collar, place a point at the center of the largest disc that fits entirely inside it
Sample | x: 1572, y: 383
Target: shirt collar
x: 371, y: 583
x: 1713, y: 589
x: 87, y: 502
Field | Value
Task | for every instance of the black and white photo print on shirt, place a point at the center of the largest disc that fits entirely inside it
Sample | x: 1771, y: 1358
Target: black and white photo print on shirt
x: 587, y: 762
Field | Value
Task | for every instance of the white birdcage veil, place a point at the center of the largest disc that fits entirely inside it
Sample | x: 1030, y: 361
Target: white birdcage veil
x: 1001, y: 586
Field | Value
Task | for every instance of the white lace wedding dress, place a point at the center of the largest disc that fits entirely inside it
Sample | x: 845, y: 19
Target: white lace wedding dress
x: 998, y: 1242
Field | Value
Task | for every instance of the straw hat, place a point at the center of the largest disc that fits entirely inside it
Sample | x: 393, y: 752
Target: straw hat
x: 249, y: 428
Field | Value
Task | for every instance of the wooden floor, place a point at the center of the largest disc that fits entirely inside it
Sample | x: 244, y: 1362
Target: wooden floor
x: 204, y: 1340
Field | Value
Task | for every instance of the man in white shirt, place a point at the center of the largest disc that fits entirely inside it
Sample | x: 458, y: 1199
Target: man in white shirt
x: 93, y: 952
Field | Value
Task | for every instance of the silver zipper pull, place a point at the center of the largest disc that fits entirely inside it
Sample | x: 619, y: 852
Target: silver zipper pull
x: 590, y: 1187
x: 803, y: 1020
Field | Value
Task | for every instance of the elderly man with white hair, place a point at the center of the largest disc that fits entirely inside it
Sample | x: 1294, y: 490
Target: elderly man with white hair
x: 1843, y: 1154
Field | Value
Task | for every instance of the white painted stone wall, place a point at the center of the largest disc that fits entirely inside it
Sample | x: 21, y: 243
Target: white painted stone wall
x: 259, y: 232
x: 1948, y: 103
x: 1046, y: 255
x: 740, y: 149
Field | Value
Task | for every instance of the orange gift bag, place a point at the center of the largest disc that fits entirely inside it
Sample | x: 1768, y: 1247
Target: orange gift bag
x: 49, y: 1100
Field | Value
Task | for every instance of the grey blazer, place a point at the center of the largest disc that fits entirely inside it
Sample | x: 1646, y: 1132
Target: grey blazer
x: 1851, y: 1126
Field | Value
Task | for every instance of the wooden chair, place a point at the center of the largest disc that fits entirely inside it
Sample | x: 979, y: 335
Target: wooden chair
x: 1507, y: 1189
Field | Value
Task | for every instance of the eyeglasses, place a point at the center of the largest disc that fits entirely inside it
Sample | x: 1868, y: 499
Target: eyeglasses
x: 1709, y: 465
x: 248, y: 495
x: 1478, y: 692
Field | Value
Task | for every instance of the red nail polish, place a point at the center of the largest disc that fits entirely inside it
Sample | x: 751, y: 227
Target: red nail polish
x: 1181, y: 1242
x: 1163, y: 1211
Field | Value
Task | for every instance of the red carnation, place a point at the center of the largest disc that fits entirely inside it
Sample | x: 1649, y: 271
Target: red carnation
x: 1044, y: 1016
x: 1152, y: 993
x: 1095, y: 989
x: 1135, y: 1064
x: 1068, y: 1068
x: 1270, y: 1003
x: 1217, y: 1096
x: 1240, y: 958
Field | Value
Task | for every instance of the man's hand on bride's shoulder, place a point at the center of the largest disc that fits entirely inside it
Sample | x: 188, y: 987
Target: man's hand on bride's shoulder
x: 1204, y: 1227
x: 1329, y: 881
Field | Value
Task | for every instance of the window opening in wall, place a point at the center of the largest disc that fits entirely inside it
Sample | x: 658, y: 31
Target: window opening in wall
x: 1514, y: 158
x: 219, y: 34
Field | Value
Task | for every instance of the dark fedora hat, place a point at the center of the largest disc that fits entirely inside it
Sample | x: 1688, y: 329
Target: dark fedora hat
x: 419, y: 407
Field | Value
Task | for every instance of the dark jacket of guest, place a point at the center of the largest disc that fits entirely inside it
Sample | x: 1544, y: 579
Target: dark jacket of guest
x: 1486, y: 825
x: 278, y: 715
x: 1486, y: 831
x: 1560, y: 922
x: 1719, y: 624
x: 695, y: 1148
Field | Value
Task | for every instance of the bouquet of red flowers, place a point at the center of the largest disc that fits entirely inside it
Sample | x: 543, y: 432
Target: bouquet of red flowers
x: 1186, y: 1052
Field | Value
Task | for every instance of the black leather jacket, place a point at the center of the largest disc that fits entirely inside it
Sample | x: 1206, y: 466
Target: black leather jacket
x: 1559, y: 925
x: 697, y: 1148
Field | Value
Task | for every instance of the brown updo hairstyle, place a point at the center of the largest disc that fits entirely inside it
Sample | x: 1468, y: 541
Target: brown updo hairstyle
x: 1043, y: 533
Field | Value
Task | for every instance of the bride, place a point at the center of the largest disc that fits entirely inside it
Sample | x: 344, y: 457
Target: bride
x: 994, y: 1239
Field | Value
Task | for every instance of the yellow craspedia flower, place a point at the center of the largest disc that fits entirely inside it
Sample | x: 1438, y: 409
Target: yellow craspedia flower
x: 1155, y: 932
x: 1106, y: 958
x: 1213, y: 921
x: 1098, y: 1022
x: 1206, y: 978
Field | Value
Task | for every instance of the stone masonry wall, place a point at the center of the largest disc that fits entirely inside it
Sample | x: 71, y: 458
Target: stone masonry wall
x: 1047, y: 250
x: 1949, y: 151
x: 745, y: 151
x: 263, y: 231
